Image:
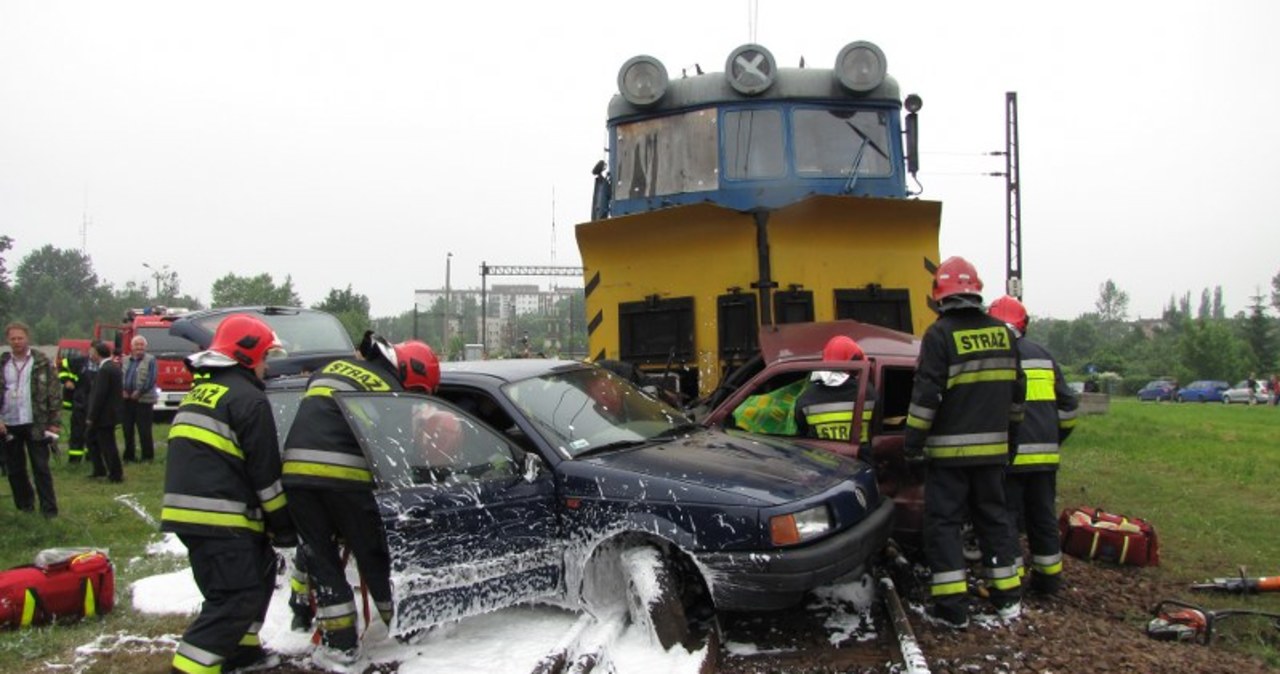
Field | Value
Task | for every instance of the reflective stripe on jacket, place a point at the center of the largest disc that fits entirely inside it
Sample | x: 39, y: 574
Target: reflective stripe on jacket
x: 222, y: 475
x: 968, y: 390
x: 1049, y: 412
x: 320, y: 450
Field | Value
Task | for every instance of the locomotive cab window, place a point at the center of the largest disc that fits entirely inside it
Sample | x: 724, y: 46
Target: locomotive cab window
x: 830, y: 143
x: 667, y: 155
x: 753, y: 144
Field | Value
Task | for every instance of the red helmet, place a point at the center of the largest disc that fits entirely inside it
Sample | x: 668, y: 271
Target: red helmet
x: 841, y: 347
x: 244, y: 338
x: 956, y: 276
x: 417, y: 366
x: 605, y: 392
x: 439, y: 436
x: 1011, y: 311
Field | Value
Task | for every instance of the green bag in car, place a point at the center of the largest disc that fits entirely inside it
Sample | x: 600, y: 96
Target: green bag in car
x: 770, y: 413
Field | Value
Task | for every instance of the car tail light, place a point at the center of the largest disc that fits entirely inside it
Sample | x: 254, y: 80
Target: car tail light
x: 798, y: 527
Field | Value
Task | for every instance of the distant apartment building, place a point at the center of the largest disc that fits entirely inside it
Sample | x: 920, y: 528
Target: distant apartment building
x: 502, y: 303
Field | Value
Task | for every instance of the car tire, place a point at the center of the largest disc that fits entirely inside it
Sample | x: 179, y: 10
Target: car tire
x: 1226, y: 399
x: 653, y: 596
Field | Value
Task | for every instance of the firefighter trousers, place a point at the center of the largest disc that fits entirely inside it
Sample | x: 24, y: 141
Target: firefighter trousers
x: 236, y: 577
x: 326, y: 519
x: 952, y: 495
x: 1031, y: 498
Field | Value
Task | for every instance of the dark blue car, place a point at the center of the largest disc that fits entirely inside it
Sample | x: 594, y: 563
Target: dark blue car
x: 1205, y: 391
x: 1158, y: 390
x: 557, y: 481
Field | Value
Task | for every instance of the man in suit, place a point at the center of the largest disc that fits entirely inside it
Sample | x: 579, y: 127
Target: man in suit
x: 105, y: 399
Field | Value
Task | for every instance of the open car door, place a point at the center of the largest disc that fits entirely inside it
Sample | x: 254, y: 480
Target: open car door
x: 469, y: 529
x: 765, y: 404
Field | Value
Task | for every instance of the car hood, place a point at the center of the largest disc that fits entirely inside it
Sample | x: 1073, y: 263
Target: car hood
x: 712, y: 465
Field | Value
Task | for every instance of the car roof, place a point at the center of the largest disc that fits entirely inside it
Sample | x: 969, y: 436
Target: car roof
x: 506, y: 370
x: 790, y: 340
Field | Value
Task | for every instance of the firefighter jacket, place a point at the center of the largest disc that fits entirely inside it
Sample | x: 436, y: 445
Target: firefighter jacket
x: 1049, y: 413
x: 826, y: 412
x: 320, y: 451
x: 68, y: 372
x: 968, y: 391
x: 46, y: 390
x: 222, y: 477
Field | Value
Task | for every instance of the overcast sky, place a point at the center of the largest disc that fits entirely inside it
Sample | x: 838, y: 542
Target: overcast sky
x: 359, y: 142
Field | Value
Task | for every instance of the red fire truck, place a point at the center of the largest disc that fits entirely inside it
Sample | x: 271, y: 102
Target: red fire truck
x: 172, y: 378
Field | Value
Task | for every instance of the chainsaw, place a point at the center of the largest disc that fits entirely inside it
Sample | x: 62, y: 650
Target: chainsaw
x: 1179, y: 621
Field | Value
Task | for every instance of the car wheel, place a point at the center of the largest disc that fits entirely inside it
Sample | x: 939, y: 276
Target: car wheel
x: 1226, y: 399
x: 638, y: 580
x: 653, y: 596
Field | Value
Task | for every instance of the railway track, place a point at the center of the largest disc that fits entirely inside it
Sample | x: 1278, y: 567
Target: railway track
x: 833, y: 635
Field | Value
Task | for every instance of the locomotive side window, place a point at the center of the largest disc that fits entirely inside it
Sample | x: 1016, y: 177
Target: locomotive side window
x: 667, y: 155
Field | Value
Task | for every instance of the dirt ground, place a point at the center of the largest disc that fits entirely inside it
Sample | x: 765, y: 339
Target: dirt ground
x: 1097, y: 624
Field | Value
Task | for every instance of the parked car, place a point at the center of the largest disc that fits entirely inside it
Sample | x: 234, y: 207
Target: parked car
x: 1158, y: 390
x: 790, y: 352
x: 311, y: 338
x: 1203, y: 391
x: 527, y: 480
x: 1240, y: 393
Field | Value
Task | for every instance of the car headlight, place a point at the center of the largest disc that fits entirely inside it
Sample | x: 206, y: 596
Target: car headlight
x: 794, y: 528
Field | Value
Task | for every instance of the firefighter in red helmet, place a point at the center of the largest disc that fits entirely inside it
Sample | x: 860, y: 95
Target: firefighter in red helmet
x: 965, y: 401
x: 826, y: 406
x: 1031, y: 479
x: 330, y: 484
x: 223, y: 497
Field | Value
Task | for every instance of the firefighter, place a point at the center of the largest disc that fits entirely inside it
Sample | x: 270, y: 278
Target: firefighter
x: 70, y: 371
x: 223, y: 497
x: 1031, y: 480
x: 825, y: 408
x: 965, y: 402
x: 330, y: 484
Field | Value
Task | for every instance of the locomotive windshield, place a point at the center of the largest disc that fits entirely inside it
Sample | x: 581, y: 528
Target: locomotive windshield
x: 680, y: 154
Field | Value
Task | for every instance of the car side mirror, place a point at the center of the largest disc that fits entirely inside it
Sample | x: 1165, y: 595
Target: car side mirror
x: 533, y: 466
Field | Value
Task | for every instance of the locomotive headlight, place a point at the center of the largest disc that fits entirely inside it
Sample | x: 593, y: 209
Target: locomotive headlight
x: 642, y: 80
x: 861, y: 67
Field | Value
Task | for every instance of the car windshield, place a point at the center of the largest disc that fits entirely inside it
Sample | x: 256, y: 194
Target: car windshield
x: 300, y: 332
x: 161, y: 343
x: 591, y: 409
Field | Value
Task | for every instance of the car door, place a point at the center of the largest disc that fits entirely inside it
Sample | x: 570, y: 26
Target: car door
x: 468, y: 530
x: 789, y: 379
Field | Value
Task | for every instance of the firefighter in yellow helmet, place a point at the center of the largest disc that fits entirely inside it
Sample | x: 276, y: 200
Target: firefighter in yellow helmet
x: 1031, y: 483
x: 222, y: 497
x: 965, y: 401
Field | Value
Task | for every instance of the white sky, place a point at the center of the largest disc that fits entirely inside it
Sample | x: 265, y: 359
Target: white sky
x: 357, y: 143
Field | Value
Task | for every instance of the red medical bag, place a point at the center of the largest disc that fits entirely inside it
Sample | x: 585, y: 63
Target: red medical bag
x: 1090, y: 533
x: 63, y: 583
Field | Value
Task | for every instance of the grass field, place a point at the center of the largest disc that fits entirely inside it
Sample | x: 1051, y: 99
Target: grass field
x: 1206, y: 475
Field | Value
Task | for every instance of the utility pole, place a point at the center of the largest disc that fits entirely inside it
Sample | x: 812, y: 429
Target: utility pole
x: 1013, y: 200
x: 448, y: 302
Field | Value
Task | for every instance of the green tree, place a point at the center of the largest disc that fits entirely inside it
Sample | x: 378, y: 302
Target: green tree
x: 232, y: 290
x: 1113, y: 308
x: 1210, y: 350
x: 6, y: 243
x: 1275, y: 291
x: 1219, y: 309
x: 1260, y: 336
x: 60, y: 286
x: 351, y: 308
